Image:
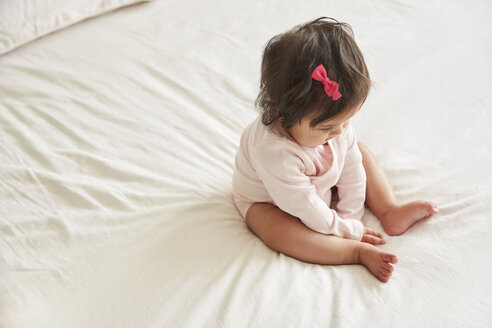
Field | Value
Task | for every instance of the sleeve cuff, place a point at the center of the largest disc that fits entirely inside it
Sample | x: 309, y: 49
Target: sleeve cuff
x: 359, y: 230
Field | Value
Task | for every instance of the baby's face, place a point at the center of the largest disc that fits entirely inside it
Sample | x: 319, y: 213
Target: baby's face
x: 308, y: 136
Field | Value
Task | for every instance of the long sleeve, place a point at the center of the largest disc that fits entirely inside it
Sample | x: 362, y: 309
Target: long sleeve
x: 352, y: 182
x: 282, y: 172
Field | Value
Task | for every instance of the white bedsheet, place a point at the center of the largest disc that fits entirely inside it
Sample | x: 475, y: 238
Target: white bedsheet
x: 118, y: 138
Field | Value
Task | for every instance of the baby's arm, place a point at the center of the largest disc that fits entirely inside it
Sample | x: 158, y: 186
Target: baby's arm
x: 352, y: 182
x: 282, y: 173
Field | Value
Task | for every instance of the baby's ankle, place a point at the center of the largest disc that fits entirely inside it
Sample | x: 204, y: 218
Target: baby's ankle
x: 356, y: 255
x: 389, y: 210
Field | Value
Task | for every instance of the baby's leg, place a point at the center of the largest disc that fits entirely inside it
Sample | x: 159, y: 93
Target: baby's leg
x: 395, y: 218
x: 288, y: 235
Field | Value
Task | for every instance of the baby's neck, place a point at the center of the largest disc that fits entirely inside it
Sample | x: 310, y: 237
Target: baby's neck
x: 276, y: 128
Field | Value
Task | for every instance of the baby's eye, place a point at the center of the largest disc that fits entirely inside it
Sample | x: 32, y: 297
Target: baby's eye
x: 325, y: 129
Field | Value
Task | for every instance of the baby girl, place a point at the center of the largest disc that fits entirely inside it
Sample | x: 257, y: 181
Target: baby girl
x: 301, y: 178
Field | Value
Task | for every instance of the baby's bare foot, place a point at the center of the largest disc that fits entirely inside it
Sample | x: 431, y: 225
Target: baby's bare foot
x: 377, y: 261
x: 402, y: 217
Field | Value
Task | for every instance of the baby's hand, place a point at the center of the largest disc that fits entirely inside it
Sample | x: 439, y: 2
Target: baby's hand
x: 372, y: 237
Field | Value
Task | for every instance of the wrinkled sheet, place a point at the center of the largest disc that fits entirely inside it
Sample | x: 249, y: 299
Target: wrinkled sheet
x: 118, y: 137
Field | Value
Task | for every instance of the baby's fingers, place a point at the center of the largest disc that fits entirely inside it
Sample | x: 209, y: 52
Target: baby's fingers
x: 367, y: 238
x: 372, y: 232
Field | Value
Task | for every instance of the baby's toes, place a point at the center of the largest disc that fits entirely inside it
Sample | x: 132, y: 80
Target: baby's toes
x: 427, y: 209
x: 388, y: 267
x: 390, y: 258
x: 432, y: 208
x: 384, y: 276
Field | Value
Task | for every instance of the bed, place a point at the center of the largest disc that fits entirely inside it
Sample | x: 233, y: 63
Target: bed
x: 119, y: 124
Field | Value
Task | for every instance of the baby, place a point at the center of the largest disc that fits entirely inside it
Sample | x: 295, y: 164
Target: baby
x: 301, y: 178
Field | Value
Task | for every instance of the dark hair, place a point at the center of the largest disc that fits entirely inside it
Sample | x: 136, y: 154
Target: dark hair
x: 287, y: 89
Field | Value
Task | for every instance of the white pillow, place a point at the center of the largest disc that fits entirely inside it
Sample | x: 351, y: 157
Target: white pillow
x: 22, y: 21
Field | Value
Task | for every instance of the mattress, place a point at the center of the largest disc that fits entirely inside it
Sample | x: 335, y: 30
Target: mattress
x: 118, y: 137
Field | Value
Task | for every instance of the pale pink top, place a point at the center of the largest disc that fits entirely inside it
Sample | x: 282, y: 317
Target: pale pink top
x: 271, y: 167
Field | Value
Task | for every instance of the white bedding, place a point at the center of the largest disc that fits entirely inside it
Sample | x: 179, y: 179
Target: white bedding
x: 118, y: 137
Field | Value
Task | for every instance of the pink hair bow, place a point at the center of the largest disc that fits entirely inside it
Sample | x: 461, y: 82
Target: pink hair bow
x: 331, y: 87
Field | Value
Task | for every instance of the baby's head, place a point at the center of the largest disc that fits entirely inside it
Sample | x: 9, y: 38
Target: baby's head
x: 288, y: 91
